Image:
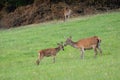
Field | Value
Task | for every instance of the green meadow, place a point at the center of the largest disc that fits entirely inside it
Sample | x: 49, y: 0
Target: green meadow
x: 19, y: 50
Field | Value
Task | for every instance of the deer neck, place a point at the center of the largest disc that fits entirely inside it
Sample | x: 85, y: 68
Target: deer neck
x: 73, y: 44
x: 57, y: 49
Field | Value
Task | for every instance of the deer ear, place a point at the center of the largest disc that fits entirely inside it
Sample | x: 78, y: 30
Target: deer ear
x: 61, y: 42
x: 70, y: 37
x: 58, y: 43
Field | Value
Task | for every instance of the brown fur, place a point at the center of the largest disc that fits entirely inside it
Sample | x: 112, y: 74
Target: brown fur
x: 49, y: 52
x: 86, y: 44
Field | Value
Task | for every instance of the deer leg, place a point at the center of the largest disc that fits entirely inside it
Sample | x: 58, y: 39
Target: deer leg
x: 82, y: 53
x: 95, y: 50
x: 98, y: 46
x: 65, y: 18
x: 53, y: 59
x: 68, y: 16
x: 40, y: 57
x: 100, y: 50
x: 38, y: 60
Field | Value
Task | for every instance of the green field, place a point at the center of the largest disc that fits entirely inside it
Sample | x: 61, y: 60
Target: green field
x: 19, y: 50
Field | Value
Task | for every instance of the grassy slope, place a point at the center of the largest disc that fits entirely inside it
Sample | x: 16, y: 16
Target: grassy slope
x: 19, y: 47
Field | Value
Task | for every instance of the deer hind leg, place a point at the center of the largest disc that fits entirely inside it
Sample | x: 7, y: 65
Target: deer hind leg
x: 99, y: 48
x: 95, y: 50
x: 82, y: 53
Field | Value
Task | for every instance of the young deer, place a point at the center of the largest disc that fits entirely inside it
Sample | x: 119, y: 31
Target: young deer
x: 67, y: 12
x: 85, y: 44
x: 49, y: 52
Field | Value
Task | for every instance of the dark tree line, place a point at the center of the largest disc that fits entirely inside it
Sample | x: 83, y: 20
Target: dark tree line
x: 11, y: 5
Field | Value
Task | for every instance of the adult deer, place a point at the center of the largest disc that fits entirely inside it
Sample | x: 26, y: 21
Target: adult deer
x: 85, y: 44
x: 49, y: 52
x: 67, y: 12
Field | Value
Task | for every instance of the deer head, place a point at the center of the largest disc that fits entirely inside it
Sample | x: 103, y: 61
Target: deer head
x: 68, y: 41
x: 61, y: 46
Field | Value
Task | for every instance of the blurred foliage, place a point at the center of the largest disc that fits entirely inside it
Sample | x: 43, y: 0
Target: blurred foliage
x: 15, y: 3
x: 11, y: 5
x: 18, y: 3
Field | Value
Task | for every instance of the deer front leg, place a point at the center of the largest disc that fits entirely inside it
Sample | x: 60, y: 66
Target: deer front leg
x: 37, y: 61
x: 65, y: 17
x: 82, y: 53
x: 40, y: 57
x: 53, y: 59
x: 68, y: 16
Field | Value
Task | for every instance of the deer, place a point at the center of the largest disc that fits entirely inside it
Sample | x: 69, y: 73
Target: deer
x: 85, y: 44
x: 49, y: 52
x: 66, y: 12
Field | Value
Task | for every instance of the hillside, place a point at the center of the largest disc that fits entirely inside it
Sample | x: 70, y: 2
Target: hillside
x: 19, y: 48
x: 14, y: 13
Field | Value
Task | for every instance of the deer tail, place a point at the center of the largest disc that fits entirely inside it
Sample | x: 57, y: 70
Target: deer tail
x: 99, y: 40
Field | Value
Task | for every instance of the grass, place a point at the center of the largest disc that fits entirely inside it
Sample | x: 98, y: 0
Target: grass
x: 19, y: 48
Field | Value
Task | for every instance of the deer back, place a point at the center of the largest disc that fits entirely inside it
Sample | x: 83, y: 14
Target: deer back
x: 88, y: 42
x: 48, y: 52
